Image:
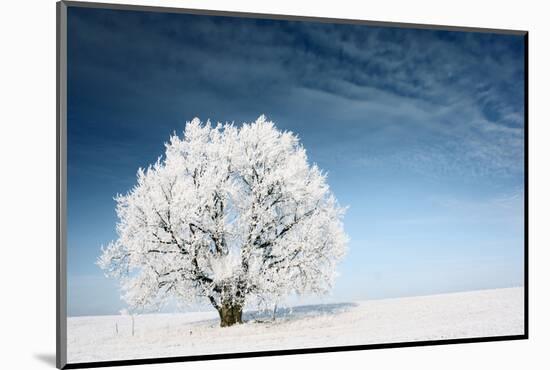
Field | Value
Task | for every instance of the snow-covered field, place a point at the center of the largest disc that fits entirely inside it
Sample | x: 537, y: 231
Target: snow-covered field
x: 446, y: 316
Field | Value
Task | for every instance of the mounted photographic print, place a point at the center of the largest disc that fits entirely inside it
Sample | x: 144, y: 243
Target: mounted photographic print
x: 234, y: 184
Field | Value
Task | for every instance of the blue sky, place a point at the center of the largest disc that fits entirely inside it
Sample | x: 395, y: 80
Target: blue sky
x: 421, y: 133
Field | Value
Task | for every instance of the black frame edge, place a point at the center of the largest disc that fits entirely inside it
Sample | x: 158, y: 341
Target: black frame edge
x: 287, y: 17
x: 61, y: 170
x: 526, y: 184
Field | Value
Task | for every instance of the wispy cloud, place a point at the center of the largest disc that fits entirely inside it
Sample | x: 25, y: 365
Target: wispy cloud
x: 462, y: 90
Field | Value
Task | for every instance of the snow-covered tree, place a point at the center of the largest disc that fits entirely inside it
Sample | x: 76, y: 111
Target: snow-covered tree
x: 233, y: 215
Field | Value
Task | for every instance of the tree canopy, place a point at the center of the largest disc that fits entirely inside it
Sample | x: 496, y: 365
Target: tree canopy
x: 233, y: 215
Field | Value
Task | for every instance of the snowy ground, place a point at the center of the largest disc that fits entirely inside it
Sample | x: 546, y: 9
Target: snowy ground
x: 457, y: 315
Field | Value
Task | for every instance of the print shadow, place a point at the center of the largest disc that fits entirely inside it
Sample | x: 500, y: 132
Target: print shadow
x: 46, y: 358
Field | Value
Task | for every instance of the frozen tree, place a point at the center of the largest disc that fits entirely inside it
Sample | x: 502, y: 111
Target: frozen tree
x: 233, y: 215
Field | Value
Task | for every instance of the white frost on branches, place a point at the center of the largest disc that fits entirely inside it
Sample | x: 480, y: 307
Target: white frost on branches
x: 234, y: 215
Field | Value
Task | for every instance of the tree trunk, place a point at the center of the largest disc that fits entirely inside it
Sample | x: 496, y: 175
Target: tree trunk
x: 230, y: 315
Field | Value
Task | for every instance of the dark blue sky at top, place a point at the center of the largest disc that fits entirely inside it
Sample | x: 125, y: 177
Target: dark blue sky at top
x: 421, y: 133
